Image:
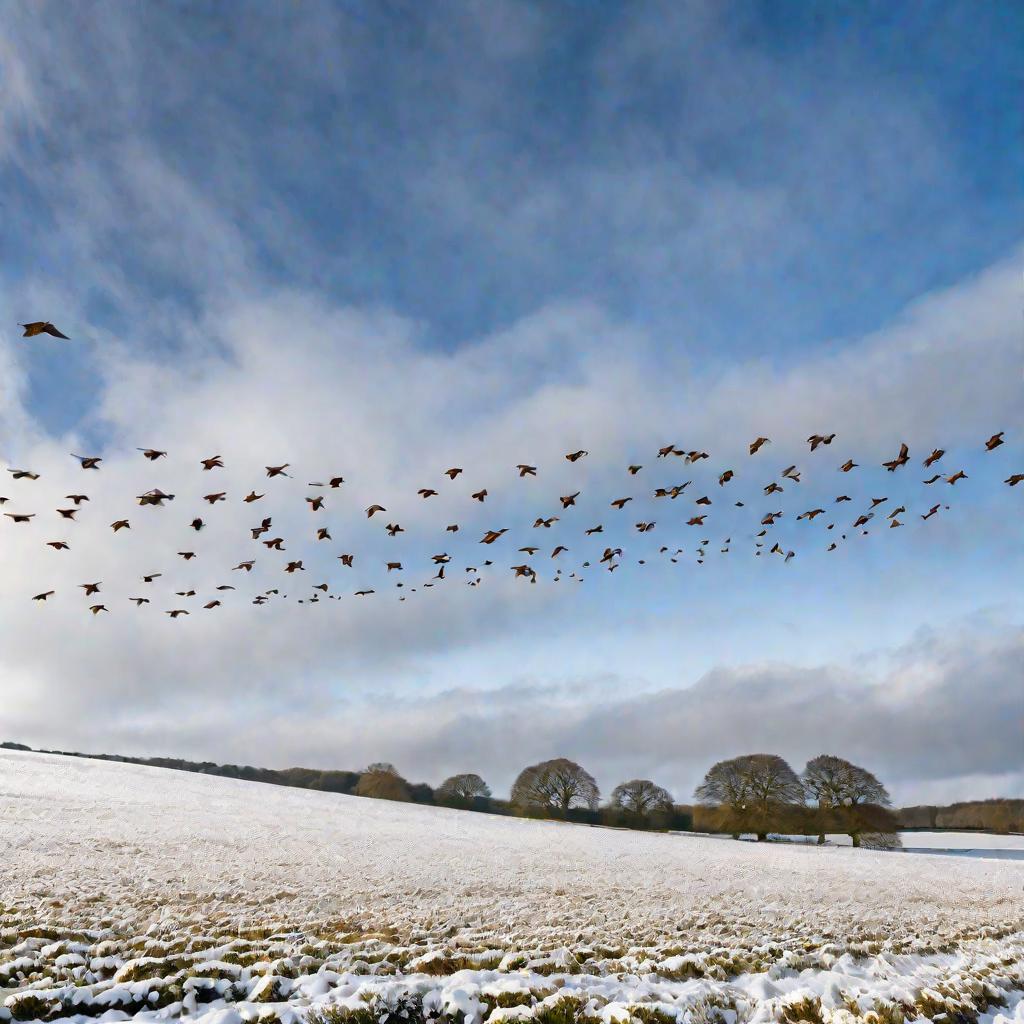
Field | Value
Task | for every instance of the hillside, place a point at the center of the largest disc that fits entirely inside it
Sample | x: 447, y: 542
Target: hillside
x: 219, y: 885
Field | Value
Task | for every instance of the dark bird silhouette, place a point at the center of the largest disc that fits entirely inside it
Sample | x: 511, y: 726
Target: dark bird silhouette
x: 620, y: 503
x: 139, y: 601
x: 758, y: 443
x: 847, y: 466
x: 394, y: 566
x: 568, y: 500
x: 901, y: 460
x: 277, y: 470
x: 479, y: 495
x: 633, y: 470
x: 546, y: 523
x: 696, y: 520
x: 214, y: 462
x: 453, y: 472
x: 152, y: 454
x: 958, y: 475
x: 725, y: 477
x: 20, y: 517
x: 773, y: 488
x: 152, y: 576
x: 492, y: 535
x: 810, y: 514
x: 120, y: 524
x: 346, y: 560
x: 335, y: 482
x: 23, y: 474
x: 197, y: 524
x: 44, y: 595
x: 97, y: 608
x: 252, y: 496
x: 936, y: 454
x: 176, y: 612
x: 154, y: 497
x: 212, y: 499
x: 394, y: 529
x: 525, y: 470
x: 88, y: 461
x: 373, y: 509
x: 1014, y: 479
x: 42, y: 327
x: 452, y: 528
x: 77, y: 498
x: 323, y: 534
x: 427, y: 492
x: 931, y: 512
x: 295, y: 567
x: 594, y: 529
x: 58, y: 545
x: 994, y: 441
x: 576, y: 456
x: 816, y: 439
x: 187, y: 555
x: 315, y: 504
x: 211, y: 604
x: 90, y: 588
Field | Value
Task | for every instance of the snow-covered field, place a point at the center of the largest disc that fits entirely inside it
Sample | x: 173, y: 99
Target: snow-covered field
x: 132, y: 892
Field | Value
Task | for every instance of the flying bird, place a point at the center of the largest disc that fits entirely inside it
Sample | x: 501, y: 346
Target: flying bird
x: 20, y: 517
x: 77, y: 498
x: 374, y: 509
x: 90, y: 588
x: 816, y: 439
x: 901, y: 460
x: 453, y: 472
x: 958, y: 475
x: 427, y: 492
x: 277, y: 470
x: 620, y: 503
x: 58, y: 545
x: 42, y: 327
x: 120, y: 524
x: 758, y: 443
x: 152, y: 454
x: 847, y: 466
x: 492, y: 535
x: 44, y: 595
x: 88, y: 461
x: 252, y: 496
x: 214, y: 498
x: 575, y: 456
x: 525, y: 470
x: 23, y: 474
x: 568, y: 500
x: 936, y: 454
x: 97, y: 608
x: 994, y: 441
x: 479, y: 495
x: 214, y: 462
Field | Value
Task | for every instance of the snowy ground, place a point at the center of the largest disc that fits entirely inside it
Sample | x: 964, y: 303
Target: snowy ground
x: 132, y: 892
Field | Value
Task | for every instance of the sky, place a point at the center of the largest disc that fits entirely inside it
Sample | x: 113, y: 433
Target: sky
x: 381, y: 239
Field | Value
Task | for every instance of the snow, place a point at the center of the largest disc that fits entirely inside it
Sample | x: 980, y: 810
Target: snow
x: 139, y: 893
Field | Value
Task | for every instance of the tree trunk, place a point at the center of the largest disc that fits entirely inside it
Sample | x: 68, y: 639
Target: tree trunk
x: 762, y: 836
x: 821, y: 838
x: 855, y: 836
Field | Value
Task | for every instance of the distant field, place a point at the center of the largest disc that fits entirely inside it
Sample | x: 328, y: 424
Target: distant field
x: 159, y: 894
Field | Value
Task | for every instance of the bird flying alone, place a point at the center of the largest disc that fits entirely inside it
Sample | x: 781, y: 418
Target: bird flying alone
x: 42, y: 327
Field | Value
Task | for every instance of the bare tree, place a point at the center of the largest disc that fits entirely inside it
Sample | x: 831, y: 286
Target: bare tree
x: 641, y: 797
x: 382, y: 768
x: 463, y: 788
x: 555, y: 785
x: 847, y: 794
x: 754, y: 791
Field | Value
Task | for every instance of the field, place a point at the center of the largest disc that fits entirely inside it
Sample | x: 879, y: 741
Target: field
x: 129, y: 892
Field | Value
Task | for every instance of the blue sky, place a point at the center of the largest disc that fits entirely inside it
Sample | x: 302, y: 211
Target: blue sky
x: 386, y: 234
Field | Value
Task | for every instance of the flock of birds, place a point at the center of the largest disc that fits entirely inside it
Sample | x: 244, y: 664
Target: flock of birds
x: 871, y: 513
x: 877, y: 510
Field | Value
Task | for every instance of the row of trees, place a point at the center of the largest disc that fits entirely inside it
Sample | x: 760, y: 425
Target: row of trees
x: 761, y: 793
x: 755, y: 793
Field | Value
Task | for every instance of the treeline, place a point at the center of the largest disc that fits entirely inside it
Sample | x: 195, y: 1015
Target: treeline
x: 997, y: 815
x: 758, y: 794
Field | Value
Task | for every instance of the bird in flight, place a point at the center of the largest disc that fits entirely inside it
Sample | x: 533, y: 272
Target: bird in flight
x: 87, y: 461
x: 23, y: 474
x: 44, y: 595
x: 758, y: 443
x: 576, y: 456
x: 816, y: 439
x: 120, y: 524
x: 901, y: 460
x: 42, y: 327
x: 152, y: 454
x: 994, y: 441
x: 277, y: 470
x: 214, y: 462
x: 525, y: 470
x: 936, y: 454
